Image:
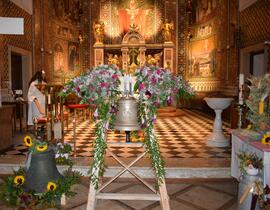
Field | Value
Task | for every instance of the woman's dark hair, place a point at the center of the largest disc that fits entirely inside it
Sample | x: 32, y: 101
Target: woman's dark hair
x: 37, y: 76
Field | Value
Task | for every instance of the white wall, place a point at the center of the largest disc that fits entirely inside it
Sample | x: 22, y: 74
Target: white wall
x: 27, y: 5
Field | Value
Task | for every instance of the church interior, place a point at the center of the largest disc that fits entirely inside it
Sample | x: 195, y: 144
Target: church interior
x: 207, y: 141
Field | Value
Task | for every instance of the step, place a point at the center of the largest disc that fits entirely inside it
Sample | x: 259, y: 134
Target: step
x: 124, y: 196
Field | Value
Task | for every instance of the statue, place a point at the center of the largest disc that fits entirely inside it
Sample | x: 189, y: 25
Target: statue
x: 167, y: 30
x: 153, y: 60
x: 113, y: 59
x: 99, y: 30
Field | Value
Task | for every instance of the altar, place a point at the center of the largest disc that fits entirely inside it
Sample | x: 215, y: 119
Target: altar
x: 133, y: 52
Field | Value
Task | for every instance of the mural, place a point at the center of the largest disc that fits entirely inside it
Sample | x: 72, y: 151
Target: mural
x: 58, y: 58
x: 118, y: 15
x: 73, y: 56
x: 202, y: 52
x: 200, y: 10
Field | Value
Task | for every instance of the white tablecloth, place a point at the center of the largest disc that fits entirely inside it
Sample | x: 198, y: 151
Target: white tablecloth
x: 244, y: 144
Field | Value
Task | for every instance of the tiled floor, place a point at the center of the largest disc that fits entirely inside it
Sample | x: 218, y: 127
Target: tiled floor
x: 179, y: 137
x: 184, y: 195
x: 182, y: 142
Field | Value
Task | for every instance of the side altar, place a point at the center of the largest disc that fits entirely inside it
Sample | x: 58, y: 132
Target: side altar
x: 133, y: 52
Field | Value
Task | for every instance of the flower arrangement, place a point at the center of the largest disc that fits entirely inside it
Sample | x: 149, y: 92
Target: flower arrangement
x: 100, y: 88
x: 12, y: 191
x: 249, y: 162
x: 157, y: 87
x: 62, y: 154
x: 257, y: 103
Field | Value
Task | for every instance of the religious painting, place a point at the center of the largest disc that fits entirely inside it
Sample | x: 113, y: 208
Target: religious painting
x: 202, y: 57
x: 119, y: 15
x: 73, y: 56
x: 201, y: 10
x: 58, y: 57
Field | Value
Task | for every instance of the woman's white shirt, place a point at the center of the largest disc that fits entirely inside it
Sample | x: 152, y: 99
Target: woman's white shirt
x: 34, y: 92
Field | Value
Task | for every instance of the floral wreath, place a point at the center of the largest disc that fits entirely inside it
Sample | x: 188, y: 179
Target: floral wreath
x: 100, y: 88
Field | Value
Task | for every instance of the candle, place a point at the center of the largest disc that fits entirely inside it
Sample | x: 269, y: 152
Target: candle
x: 241, y: 80
x: 261, y: 107
x: 130, y: 86
x: 125, y: 84
x: 49, y: 98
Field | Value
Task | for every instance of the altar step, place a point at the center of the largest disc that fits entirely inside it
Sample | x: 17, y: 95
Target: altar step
x: 169, y: 111
x: 144, y: 172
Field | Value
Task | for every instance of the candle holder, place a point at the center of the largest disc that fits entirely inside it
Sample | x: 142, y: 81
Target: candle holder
x: 240, y: 114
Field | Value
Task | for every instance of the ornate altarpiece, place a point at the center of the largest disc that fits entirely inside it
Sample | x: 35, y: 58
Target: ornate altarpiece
x: 133, y: 35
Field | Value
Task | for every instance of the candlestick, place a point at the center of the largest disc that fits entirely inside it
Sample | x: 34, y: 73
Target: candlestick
x: 241, y: 80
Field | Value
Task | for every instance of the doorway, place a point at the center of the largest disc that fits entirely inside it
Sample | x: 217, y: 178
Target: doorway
x: 16, y: 71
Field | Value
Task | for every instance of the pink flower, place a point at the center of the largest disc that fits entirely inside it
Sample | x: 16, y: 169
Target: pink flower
x: 148, y: 94
x: 169, y: 101
x: 104, y: 85
x: 78, y: 89
x: 156, y: 104
x: 141, y: 86
x: 153, y: 80
x: 114, y: 76
x: 158, y: 71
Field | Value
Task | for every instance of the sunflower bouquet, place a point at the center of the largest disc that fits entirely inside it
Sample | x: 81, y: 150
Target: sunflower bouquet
x: 35, y: 146
x: 12, y: 191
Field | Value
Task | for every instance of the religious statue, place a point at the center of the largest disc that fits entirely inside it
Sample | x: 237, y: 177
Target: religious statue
x: 99, y: 31
x: 167, y: 30
x: 113, y: 59
x: 154, y: 60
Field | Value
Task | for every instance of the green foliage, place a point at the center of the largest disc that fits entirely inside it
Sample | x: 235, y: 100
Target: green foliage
x: 63, y: 153
x: 152, y: 147
x: 259, y: 91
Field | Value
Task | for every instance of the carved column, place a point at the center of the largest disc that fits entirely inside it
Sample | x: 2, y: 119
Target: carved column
x: 168, y: 56
x: 142, y: 55
x: 98, y: 54
x: 124, y: 58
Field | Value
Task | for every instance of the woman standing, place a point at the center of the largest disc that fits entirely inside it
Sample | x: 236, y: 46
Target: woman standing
x: 36, y: 99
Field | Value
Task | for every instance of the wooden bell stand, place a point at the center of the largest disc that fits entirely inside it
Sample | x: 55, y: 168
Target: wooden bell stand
x: 95, y: 194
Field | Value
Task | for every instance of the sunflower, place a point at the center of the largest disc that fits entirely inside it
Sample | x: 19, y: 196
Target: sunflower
x: 51, y: 186
x: 19, y: 180
x: 42, y: 148
x: 28, y: 141
x: 266, y: 139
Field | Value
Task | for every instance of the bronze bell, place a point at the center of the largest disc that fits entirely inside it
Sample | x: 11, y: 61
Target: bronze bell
x: 126, y: 116
x: 41, y: 171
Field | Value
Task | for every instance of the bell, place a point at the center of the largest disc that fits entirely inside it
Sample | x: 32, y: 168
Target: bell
x: 126, y: 116
x: 41, y: 171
